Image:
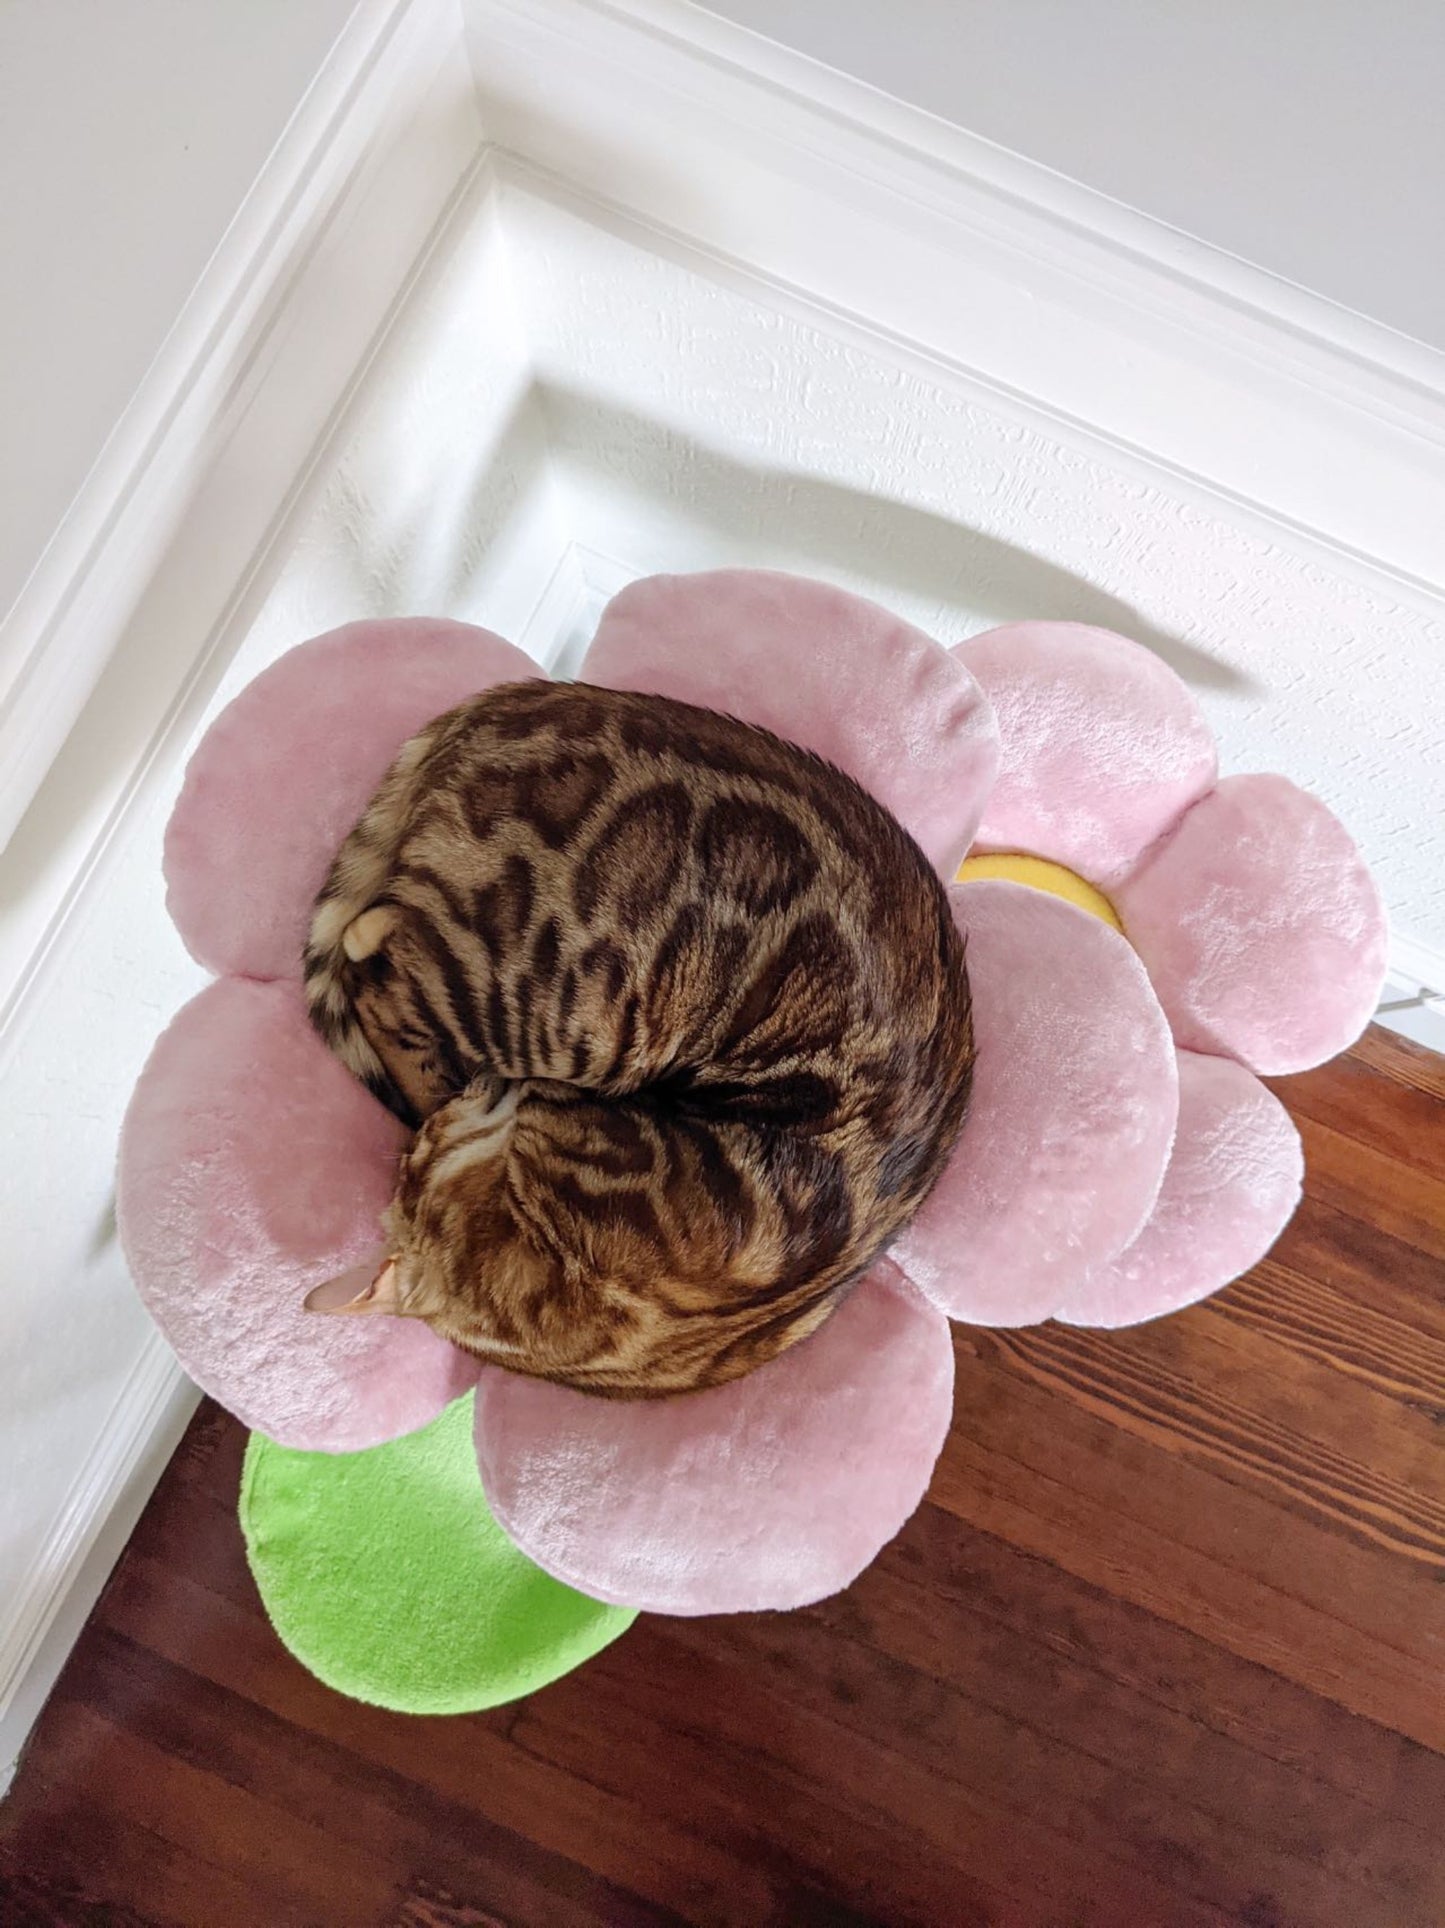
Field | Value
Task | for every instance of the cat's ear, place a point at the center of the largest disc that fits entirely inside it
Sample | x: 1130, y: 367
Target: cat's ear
x: 355, y: 1291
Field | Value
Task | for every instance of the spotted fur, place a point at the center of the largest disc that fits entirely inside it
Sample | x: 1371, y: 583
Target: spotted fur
x: 679, y: 1012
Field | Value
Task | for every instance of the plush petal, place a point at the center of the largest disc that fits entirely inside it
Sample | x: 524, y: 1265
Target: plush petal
x: 1262, y: 929
x: 1232, y: 1183
x: 252, y: 1167
x: 288, y: 767
x: 1102, y: 746
x: 1074, y: 1104
x: 771, y: 1492
x: 820, y: 668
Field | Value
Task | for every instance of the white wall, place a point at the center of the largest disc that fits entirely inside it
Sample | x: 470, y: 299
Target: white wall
x: 130, y: 131
x: 1304, y: 135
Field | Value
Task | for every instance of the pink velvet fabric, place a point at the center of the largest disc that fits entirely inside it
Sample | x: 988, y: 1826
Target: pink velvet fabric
x: 771, y: 1492
x: 252, y: 1167
x: 1232, y: 1185
x: 1262, y: 930
x: 824, y: 669
x: 1075, y: 1098
x: 288, y: 767
x: 1102, y: 745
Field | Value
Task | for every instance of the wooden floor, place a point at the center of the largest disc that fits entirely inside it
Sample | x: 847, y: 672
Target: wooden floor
x: 1165, y: 1645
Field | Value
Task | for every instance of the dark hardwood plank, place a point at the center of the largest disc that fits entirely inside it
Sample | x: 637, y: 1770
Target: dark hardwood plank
x: 1330, y: 1249
x: 1400, y: 1060
x: 1287, y: 1308
x: 1214, y: 1396
x: 1164, y: 1646
x: 1398, y: 1115
x: 1391, y: 1194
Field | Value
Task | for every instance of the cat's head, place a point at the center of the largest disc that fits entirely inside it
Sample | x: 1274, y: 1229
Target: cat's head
x: 438, y: 1223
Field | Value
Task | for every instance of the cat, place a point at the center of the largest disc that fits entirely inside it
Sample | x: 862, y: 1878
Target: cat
x: 680, y: 1017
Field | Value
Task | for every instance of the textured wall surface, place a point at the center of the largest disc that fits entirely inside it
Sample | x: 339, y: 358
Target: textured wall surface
x: 692, y: 425
x: 621, y: 407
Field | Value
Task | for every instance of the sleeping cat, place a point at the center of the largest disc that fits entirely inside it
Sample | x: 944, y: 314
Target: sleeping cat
x: 681, y: 1016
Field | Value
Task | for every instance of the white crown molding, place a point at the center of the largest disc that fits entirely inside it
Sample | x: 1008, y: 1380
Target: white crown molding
x: 120, y: 673
x: 1101, y: 225
x: 268, y: 270
x: 1059, y: 299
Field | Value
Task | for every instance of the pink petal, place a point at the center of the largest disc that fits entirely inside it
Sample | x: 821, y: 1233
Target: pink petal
x: 771, y: 1492
x: 252, y: 1167
x: 1261, y: 927
x: 1232, y: 1184
x: 1074, y: 1104
x: 1102, y: 745
x: 288, y: 767
x: 822, y: 669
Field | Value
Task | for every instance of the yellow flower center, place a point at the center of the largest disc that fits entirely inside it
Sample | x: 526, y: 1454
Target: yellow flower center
x: 1040, y: 874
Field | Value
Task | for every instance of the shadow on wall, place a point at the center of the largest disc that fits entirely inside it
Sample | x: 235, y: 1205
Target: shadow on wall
x: 426, y: 557
x: 790, y: 520
x: 428, y: 553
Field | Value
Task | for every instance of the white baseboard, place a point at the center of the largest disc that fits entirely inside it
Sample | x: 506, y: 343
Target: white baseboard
x: 1417, y: 964
x: 44, y: 1614
x: 1414, y: 997
x: 1413, y: 1014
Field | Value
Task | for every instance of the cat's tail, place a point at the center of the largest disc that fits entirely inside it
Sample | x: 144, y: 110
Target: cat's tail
x: 352, y: 916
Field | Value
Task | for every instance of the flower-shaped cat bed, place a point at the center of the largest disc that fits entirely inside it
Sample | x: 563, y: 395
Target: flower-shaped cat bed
x: 1143, y: 940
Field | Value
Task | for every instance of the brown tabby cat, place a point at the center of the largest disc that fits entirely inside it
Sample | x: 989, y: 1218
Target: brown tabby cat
x: 681, y: 1014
